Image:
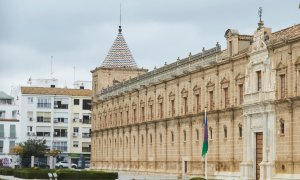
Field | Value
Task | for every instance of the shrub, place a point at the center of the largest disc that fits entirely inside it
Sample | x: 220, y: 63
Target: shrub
x: 31, y: 174
x: 197, y: 178
x: 62, y: 174
x: 7, y: 171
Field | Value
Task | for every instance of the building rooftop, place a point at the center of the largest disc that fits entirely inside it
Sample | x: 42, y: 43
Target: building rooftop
x: 5, y: 96
x: 119, y: 55
x: 56, y: 91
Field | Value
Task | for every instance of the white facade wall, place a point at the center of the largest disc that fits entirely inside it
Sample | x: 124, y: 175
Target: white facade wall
x: 7, y: 121
x: 31, y: 125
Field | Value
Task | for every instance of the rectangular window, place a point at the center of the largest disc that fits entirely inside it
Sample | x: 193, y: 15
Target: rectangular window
x: 30, y: 100
x: 134, y: 115
x: 259, y: 83
x: 60, y: 117
x: 75, y: 143
x: 2, y: 130
x: 44, y: 103
x: 2, y: 114
x: 161, y: 110
x: 151, y: 112
x: 76, y: 101
x: 11, y: 145
x: 173, y: 108
x: 86, y: 118
x: 86, y: 132
x: 241, y: 93
x: 43, y: 117
x: 226, y: 98
x: 29, y: 128
x: 14, y: 113
x: 43, y: 131
x: 185, y: 105
x: 60, y: 133
x: 75, y: 129
x: 211, y: 100
x: 61, y: 103
x: 198, y: 103
x: 86, y: 104
x: 60, y: 145
x: 12, y: 131
x: 86, y: 147
x: 143, y: 113
x: 282, y: 86
x: 1, y: 146
x: 30, y: 115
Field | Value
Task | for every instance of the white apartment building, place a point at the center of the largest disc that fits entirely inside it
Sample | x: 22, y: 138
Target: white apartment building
x: 9, y: 123
x: 61, y: 116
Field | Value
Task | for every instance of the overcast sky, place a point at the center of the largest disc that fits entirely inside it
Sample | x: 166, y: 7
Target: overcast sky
x: 79, y: 33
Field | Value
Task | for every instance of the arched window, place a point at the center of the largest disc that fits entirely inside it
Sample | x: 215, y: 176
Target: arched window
x: 151, y: 139
x: 281, y: 126
x: 210, y: 132
x: 172, y: 136
x: 134, y: 140
x: 142, y: 140
x: 184, y: 135
x: 126, y: 141
x: 197, y: 134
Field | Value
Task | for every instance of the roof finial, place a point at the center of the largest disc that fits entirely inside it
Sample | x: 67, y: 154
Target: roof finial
x: 120, y: 26
x: 260, y: 23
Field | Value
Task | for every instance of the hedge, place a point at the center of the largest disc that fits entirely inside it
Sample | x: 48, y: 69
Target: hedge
x: 7, y: 171
x: 197, y: 178
x: 62, y: 174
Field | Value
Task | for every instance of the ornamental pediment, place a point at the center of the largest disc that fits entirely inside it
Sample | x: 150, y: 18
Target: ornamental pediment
x: 280, y: 66
x: 297, y: 63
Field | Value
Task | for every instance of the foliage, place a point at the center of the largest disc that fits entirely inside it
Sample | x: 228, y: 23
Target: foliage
x: 33, y: 147
x: 17, y: 150
x: 54, y: 152
x: 7, y: 171
x: 197, y: 178
x: 62, y: 174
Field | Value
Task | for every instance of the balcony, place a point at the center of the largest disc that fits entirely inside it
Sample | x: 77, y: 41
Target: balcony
x: 86, y: 149
x: 86, y: 121
x: 43, y: 105
x: 86, y: 135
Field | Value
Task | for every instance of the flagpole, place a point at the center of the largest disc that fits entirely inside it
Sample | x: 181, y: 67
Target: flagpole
x: 206, y: 153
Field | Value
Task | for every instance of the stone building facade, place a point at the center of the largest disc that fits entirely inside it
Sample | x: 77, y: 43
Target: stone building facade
x: 153, y: 122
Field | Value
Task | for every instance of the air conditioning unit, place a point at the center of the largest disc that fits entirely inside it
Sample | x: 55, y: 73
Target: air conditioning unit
x: 30, y: 119
x: 55, y: 105
x: 33, y: 133
x: 55, y: 121
x: 80, y: 120
x: 74, y: 120
x: 75, y: 134
x: 28, y: 133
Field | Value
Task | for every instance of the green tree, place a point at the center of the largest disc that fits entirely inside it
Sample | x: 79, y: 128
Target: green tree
x: 33, y: 147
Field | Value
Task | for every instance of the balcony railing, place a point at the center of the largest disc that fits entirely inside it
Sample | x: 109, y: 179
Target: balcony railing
x: 86, y: 121
x: 43, y: 105
x: 86, y: 149
x: 86, y: 135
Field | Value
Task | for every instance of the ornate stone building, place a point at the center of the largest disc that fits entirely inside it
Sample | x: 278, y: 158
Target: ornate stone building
x: 153, y: 121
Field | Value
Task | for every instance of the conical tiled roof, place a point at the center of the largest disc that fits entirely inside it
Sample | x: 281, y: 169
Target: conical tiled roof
x: 119, y: 55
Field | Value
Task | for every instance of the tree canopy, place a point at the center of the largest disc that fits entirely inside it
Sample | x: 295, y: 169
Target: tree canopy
x: 33, y: 147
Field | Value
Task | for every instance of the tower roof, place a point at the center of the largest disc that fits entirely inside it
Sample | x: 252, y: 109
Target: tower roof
x: 119, y: 55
